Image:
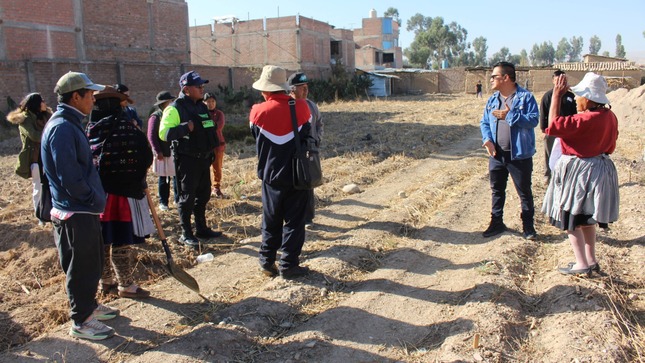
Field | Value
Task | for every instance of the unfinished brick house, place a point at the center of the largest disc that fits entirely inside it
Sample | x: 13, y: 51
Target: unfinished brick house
x: 128, y: 41
x: 377, y: 43
x: 292, y: 42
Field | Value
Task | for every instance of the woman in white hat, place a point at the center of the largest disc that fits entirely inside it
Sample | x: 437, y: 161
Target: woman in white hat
x: 583, y: 191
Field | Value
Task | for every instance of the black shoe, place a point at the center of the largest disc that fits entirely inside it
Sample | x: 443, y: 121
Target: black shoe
x: 294, y: 272
x: 269, y: 270
x: 569, y: 271
x: 529, y: 233
x: 494, y: 228
x: 189, y: 240
x: 594, y: 267
x: 208, y: 233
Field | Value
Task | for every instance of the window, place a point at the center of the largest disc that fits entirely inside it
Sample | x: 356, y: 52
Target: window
x: 336, y: 49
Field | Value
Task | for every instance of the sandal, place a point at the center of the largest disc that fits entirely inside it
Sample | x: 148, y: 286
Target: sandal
x: 133, y: 292
x: 108, y: 288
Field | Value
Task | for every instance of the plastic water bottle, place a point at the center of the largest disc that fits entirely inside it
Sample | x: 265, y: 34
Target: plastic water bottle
x: 205, y: 258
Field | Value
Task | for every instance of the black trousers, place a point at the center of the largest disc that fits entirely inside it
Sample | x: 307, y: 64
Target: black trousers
x: 194, y: 183
x: 283, y: 224
x: 548, y: 146
x: 499, y: 167
x: 80, y: 250
x: 311, y: 207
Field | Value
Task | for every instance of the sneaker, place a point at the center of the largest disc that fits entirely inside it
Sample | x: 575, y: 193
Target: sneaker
x: 208, y: 233
x: 163, y: 207
x: 91, y: 330
x: 217, y: 193
x: 529, y: 233
x: 293, y: 272
x: 189, y: 240
x: 309, y: 225
x: 104, y: 312
x: 494, y: 228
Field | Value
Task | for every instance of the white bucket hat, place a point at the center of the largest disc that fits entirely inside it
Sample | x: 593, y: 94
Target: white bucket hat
x: 272, y: 79
x: 592, y: 87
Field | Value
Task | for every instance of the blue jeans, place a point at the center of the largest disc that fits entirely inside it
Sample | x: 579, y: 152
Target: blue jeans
x: 164, y: 189
x: 499, y: 167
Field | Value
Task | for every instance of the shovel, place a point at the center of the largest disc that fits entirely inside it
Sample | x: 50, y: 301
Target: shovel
x: 175, y: 271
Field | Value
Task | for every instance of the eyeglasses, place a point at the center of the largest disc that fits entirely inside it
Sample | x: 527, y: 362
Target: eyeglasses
x: 493, y: 76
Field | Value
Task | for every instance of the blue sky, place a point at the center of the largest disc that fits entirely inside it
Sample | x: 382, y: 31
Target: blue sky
x: 515, y: 25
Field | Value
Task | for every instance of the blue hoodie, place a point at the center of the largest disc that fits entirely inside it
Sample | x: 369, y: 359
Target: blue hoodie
x: 522, y: 118
x: 67, y: 160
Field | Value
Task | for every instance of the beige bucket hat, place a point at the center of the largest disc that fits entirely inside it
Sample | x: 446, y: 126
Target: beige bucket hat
x: 272, y: 79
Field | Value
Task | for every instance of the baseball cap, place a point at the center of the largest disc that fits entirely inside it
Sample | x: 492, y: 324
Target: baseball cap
x: 191, y: 78
x: 297, y: 79
x: 73, y: 81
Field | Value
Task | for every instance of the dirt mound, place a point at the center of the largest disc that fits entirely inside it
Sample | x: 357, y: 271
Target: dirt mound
x: 401, y: 272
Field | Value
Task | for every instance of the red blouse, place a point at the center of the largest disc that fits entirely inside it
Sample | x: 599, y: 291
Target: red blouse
x: 586, y: 134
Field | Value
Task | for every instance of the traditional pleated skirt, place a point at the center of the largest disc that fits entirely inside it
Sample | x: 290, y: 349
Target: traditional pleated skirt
x: 125, y: 221
x: 582, y: 191
x: 164, y: 167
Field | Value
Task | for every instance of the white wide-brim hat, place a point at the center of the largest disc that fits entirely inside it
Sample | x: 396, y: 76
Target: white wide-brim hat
x: 272, y: 79
x: 592, y: 87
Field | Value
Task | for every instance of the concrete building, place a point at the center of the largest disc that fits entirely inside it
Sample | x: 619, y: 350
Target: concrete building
x: 377, y: 43
x: 292, y: 42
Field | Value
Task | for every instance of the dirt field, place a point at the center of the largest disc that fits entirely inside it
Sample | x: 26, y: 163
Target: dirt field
x: 401, y: 270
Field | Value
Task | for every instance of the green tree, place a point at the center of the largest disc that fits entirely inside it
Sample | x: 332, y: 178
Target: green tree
x: 563, y: 50
x: 502, y: 56
x: 605, y: 53
x: 394, y: 14
x: 620, y: 49
x: 594, y: 45
x: 576, y: 48
x: 435, y: 41
x: 543, y: 54
x: 480, y: 48
x: 524, y: 58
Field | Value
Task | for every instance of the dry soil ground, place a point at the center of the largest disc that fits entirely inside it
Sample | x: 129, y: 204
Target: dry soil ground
x: 402, y: 272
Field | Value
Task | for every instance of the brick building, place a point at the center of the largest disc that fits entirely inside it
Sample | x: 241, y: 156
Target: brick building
x: 94, y: 30
x: 292, y: 42
x: 143, y: 43
x: 377, y: 43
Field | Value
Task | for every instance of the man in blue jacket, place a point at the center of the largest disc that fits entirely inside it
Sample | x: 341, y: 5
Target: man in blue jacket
x: 77, y: 200
x: 507, y: 128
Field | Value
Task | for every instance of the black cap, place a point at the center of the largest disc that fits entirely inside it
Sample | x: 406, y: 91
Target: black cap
x: 163, y: 96
x: 297, y: 79
x: 208, y: 95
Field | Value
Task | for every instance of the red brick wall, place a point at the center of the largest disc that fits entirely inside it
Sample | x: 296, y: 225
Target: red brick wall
x: 52, y: 12
x: 111, y: 30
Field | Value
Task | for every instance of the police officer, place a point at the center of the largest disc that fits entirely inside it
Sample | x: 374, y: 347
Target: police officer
x: 187, y: 125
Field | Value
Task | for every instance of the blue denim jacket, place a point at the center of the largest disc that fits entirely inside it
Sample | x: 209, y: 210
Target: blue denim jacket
x: 67, y: 160
x: 522, y: 118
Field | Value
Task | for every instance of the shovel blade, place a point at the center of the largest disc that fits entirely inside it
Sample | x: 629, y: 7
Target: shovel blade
x: 182, y: 276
